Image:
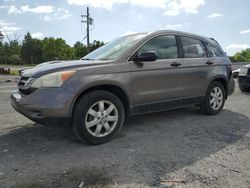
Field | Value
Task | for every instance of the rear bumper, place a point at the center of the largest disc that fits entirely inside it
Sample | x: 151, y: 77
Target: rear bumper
x: 231, y: 86
x: 44, y: 107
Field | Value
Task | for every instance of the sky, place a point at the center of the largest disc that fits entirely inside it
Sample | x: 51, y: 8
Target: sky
x: 228, y: 21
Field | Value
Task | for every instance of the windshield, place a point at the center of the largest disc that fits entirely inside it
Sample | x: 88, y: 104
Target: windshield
x: 114, y: 49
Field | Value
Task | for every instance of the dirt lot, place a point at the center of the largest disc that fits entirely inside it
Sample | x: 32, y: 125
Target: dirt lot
x: 182, y: 145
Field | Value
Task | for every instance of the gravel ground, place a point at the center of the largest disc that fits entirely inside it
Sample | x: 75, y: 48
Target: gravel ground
x: 181, y: 147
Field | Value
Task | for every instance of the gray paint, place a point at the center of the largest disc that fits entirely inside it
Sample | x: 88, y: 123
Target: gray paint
x: 151, y: 82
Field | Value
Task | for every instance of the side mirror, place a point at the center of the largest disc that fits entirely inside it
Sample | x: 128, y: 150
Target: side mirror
x: 146, y: 56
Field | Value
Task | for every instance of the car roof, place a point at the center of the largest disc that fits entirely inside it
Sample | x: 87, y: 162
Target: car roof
x: 175, y: 32
x: 182, y: 33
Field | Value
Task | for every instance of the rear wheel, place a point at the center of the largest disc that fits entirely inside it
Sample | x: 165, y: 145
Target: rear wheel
x: 214, y: 100
x: 98, y: 117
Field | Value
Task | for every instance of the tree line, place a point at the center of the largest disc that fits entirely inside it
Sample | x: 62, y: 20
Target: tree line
x: 35, y: 51
x: 243, y: 56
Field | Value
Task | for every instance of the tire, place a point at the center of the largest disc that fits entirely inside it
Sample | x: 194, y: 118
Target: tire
x: 242, y: 89
x: 208, y: 107
x: 91, y: 126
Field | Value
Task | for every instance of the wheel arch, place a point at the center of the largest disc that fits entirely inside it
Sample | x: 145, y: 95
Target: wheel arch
x: 224, y: 83
x: 116, y: 90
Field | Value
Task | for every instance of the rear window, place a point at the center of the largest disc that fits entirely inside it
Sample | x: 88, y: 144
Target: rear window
x: 193, y: 48
x: 213, y: 51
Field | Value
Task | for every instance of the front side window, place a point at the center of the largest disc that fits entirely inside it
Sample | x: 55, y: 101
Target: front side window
x: 193, y: 48
x: 165, y: 47
x: 213, y: 51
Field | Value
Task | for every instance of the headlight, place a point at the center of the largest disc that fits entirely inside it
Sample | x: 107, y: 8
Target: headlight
x: 52, y: 80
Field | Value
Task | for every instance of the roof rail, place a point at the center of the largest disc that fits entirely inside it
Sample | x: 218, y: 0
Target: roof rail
x: 214, y: 40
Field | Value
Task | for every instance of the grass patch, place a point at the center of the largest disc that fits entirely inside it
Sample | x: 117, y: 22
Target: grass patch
x: 21, y: 65
x: 14, y: 72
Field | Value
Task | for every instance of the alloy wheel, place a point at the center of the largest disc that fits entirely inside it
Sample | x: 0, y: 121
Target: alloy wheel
x: 216, y: 98
x: 101, y: 118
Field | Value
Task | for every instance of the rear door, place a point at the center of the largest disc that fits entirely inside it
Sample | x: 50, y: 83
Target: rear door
x: 195, y: 69
x: 215, y: 55
x: 161, y: 80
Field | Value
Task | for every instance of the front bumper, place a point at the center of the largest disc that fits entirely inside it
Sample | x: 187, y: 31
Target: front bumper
x: 47, y: 106
x: 244, y: 81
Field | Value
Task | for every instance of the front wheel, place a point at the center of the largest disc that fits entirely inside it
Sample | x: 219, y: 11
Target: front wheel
x: 214, y: 100
x: 98, y: 117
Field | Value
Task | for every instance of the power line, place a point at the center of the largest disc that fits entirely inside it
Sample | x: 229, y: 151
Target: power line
x: 89, y: 21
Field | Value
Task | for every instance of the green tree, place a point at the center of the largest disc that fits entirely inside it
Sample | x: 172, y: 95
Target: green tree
x: 14, y: 48
x: 54, y: 49
x: 95, y: 44
x: 243, y: 56
x: 80, y: 50
x: 1, y: 53
x: 15, y: 59
x: 10, y: 52
x: 31, y: 51
x: 35, y: 51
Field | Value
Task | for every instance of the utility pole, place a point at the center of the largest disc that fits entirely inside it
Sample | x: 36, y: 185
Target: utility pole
x: 88, y: 47
x: 88, y: 21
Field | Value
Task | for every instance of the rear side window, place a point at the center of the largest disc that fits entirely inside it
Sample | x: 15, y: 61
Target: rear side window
x: 165, y: 47
x: 213, y: 51
x: 193, y: 48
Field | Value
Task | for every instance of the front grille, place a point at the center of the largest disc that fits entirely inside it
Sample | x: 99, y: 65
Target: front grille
x: 23, y: 80
x: 24, y: 86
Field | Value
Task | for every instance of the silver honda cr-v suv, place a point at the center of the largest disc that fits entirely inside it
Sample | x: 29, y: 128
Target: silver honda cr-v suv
x: 134, y: 74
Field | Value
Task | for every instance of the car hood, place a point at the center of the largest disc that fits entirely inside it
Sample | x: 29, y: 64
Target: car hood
x: 237, y: 70
x: 248, y: 66
x: 55, y: 66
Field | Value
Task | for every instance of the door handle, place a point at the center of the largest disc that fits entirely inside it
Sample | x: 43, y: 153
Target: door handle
x: 175, y: 64
x: 209, y: 62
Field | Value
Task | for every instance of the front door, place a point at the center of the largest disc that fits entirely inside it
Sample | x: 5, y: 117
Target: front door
x: 157, y: 85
